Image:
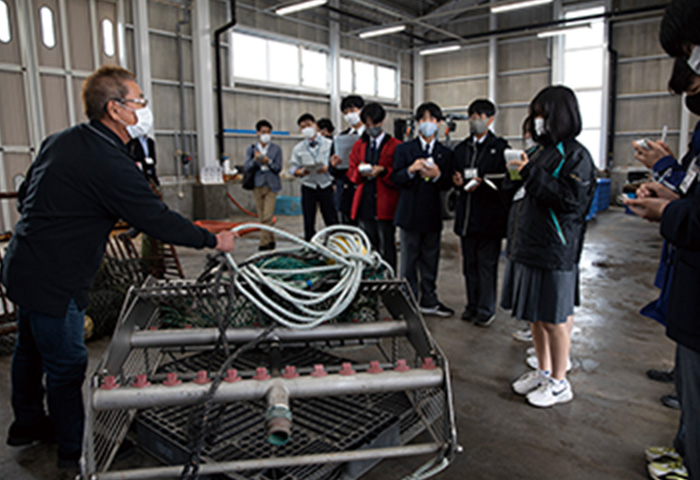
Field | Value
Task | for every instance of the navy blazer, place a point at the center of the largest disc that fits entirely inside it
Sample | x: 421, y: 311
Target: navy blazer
x: 271, y: 176
x: 419, y: 207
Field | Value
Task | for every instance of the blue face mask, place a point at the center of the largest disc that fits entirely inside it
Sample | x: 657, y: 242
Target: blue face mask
x: 428, y: 129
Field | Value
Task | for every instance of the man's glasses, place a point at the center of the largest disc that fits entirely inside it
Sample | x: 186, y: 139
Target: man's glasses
x: 139, y: 101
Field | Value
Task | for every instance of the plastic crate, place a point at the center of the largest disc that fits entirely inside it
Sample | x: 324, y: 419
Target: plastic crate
x: 602, y: 200
x: 288, y: 205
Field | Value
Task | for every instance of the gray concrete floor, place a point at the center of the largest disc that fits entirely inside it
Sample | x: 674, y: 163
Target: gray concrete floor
x: 600, y: 435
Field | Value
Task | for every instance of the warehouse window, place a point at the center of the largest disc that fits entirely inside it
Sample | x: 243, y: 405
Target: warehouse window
x: 108, y: 37
x: 48, y: 32
x: 5, y: 35
x: 584, y: 57
x: 279, y: 62
x: 366, y: 78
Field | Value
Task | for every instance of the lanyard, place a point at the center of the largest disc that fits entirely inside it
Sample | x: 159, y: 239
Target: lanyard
x: 314, y: 156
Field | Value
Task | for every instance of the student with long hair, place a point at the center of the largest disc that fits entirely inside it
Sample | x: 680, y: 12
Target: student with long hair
x: 546, y: 228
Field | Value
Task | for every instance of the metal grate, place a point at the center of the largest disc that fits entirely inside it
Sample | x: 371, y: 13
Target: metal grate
x: 320, y: 425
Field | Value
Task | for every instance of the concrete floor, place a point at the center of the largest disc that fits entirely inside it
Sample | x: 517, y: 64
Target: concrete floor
x: 600, y: 435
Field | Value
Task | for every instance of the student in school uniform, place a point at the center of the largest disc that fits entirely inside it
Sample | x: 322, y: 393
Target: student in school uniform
x: 309, y: 162
x: 350, y: 106
x: 376, y: 197
x: 480, y: 221
x: 422, y: 168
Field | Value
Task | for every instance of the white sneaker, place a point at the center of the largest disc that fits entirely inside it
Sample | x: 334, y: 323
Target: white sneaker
x: 524, y: 335
x: 550, y: 394
x: 528, y: 382
x: 532, y: 362
x: 530, y: 351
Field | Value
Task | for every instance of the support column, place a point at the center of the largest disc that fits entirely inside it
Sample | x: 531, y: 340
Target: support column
x: 557, y: 50
x: 418, y: 80
x: 493, y: 63
x: 334, y: 68
x: 203, y: 85
x: 143, y: 47
x: 121, y: 34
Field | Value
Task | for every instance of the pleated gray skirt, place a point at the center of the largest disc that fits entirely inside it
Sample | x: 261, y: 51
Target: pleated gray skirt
x: 539, y: 295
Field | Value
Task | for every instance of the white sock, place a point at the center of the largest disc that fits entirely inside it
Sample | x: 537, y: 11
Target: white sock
x: 545, y: 373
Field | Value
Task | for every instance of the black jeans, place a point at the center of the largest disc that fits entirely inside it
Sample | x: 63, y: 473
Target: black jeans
x: 310, y: 198
x: 480, y: 269
x: 420, y: 254
x: 53, y: 346
x: 382, y: 234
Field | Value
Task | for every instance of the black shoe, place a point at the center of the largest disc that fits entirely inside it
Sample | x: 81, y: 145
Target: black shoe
x: 69, y: 460
x: 468, y: 315
x: 665, y: 376
x: 269, y: 246
x: 484, y: 320
x: 40, y: 432
x: 671, y: 401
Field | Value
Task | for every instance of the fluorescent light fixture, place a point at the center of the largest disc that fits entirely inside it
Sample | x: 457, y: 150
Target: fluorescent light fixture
x: 563, y: 30
x: 378, y: 32
x: 518, y: 5
x: 436, y: 50
x: 298, y: 7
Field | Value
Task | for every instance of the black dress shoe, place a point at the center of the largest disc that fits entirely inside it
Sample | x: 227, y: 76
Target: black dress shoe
x: 43, y: 431
x: 468, y: 315
x: 671, y: 401
x: 665, y: 376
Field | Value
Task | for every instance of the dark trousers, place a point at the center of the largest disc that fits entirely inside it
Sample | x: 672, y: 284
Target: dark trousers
x: 53, y: 346
x: 688, y: 388
x: 310, y: 198
x: 480, y: 269
x: 420, y: 254
x: 382, y: 234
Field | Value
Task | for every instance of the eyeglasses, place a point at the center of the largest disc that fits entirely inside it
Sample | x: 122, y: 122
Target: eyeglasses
x: 139, y: 101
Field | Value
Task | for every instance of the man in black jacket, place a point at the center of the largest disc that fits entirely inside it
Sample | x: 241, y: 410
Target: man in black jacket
x: 422, y: 167
x: 481, y: 216
x: 81, y: 183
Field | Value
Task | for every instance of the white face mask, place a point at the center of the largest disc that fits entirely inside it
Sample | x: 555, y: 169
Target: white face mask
x: 539, y: 126
x: 353, y: 118
x: 144, y: 122
x: 265, y: 138
x: 694, y: 60
x: 308, y: 133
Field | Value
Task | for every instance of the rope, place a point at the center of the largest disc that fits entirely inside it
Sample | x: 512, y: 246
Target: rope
x: 295, y: 297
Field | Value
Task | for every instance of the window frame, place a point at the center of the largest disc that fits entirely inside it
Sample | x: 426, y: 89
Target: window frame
x: 8, y: 19
x: 112, y: 39
x: 600, y: 157
x: 376, y: 62
x: 300, y: 44
x: 309, y: 45
x: 46, y: 8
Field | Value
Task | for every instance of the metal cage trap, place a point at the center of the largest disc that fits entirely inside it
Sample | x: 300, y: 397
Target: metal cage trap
x: 213, y: 388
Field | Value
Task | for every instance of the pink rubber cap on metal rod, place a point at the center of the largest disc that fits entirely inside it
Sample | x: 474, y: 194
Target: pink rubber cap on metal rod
x: 319, y: 371
x: 171, y: 380
x: 202, y: 377
x: 110, y: 383
x: 374, y: 367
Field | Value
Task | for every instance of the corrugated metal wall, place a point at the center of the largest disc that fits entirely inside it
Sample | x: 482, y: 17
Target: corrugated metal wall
x: 41, y: 85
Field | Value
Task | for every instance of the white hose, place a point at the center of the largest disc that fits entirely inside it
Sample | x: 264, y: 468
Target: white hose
x: 348, y: 252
